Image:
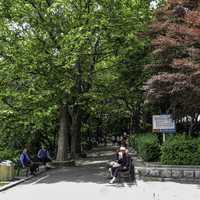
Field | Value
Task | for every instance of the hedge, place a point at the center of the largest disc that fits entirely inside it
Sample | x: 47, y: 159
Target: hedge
x: 181, y: 150
x: 147, y: 146
x: 7, y: 154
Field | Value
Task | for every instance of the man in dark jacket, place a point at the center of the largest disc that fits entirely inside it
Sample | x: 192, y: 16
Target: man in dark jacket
x: 43, y: 155
x: 26, y: 162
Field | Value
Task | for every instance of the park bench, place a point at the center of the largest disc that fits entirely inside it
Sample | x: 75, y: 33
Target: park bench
x: 129, y: 173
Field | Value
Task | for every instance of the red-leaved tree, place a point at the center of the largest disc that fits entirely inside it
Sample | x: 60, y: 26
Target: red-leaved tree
x: 175, y: 83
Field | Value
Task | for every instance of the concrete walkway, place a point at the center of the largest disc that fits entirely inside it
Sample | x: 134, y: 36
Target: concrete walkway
x: 88, y: 181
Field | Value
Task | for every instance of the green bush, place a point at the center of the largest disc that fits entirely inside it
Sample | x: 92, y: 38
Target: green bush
x: 147, y: 146
x: 131, y: 141
x: 181, y: 150
x: 7, y: 154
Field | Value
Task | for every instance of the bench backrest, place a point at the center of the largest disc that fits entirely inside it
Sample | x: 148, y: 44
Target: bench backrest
x: 130, y: 160
x: 131, y: 167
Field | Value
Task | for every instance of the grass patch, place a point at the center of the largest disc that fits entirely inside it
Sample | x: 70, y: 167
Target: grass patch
x: 3, y: 183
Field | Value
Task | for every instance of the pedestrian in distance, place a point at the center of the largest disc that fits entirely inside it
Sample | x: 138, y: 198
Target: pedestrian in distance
x: 113, y: 139
x: 118, y: 141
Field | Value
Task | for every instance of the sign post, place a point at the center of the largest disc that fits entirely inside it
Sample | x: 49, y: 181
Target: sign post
x: 163, y: 124
x: 164, y: 137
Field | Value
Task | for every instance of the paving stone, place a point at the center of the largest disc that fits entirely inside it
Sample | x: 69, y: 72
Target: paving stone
x: 177, y: 173
x: 141, y: 171
x: 147, y: 172
x: 188, y: 174
x: 154, y: 172
x: 197, y: 174
x: 166, y: 173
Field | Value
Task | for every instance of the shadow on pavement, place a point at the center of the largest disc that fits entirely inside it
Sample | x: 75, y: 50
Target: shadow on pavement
x: 82, y: 174
x: 89, y: 170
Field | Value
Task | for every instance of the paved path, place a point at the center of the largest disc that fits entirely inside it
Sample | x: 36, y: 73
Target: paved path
x: 88, y: 181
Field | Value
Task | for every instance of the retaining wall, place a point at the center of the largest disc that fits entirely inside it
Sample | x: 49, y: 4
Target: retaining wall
x: 168, y: 171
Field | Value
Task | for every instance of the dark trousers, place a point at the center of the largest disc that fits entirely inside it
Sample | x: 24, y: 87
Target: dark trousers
x: 32, y: 167
x: 44, y: 160
x: 116, y: 170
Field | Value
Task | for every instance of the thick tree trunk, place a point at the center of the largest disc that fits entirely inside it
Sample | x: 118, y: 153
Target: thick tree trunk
x: 63, y: 135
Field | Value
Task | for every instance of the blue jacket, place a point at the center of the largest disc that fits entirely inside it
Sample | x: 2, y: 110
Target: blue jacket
x: 24, y: 159
x: 43, y: 153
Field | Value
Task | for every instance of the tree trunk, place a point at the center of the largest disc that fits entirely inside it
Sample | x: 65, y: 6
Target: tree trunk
x: 131, y: 128
x: 78, y: 134
x: 135, y: 121
x: 74, y: 132
x: 63, y: 135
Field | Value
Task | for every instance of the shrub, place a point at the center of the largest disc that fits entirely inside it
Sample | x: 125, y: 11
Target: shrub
x: 147, y: 146
x: 7, y: 154
x: 131, y: 141
x: 181, y: 150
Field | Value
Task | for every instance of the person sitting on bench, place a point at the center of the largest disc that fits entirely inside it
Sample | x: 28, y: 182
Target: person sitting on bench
x: 121, y: 164
x: 43, y: 155
x: 26, y: 162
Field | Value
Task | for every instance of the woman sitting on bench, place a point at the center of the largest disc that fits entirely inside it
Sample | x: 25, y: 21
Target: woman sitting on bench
x: 121, y: 164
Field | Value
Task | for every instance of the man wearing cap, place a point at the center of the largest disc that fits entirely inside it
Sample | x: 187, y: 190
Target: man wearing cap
x: 122, y: 161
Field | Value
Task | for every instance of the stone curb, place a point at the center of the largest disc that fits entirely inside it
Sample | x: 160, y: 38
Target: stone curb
x: 172, y: 173
x: 10, y: 185
x: 164, y: 179
x: 68, y: 163
x: 172, y: 166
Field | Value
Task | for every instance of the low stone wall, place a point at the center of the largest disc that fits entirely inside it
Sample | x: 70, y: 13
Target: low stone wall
x: 62, y: 163
x: 172, y: 172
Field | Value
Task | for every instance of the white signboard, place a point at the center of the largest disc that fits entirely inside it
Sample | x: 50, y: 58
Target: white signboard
x: 163, y: 123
